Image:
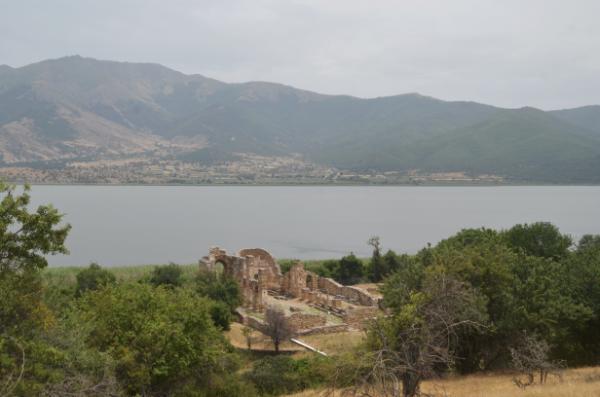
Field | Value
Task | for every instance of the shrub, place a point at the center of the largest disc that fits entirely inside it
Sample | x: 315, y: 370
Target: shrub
x: 93, y: 278
x: 220, y: 289
x: 169, y: 275
x: 163, y: 340
x: 221, y: 315
x: 282, y: 374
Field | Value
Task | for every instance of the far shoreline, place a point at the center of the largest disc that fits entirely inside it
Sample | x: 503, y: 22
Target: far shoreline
x: 439, y: 184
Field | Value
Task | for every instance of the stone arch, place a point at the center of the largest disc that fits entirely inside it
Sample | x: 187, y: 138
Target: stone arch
x: 219, y: 267
x: 309, y: 281
x: 226, y: 262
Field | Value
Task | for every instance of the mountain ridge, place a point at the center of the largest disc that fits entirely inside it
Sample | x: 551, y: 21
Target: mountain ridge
x: 75, y: 107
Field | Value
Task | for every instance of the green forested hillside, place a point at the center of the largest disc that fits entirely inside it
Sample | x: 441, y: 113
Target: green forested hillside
x: 78, y: 107
x: 587, y: 117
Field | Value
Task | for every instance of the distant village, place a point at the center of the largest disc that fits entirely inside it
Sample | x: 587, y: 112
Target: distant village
x: 247, y: 169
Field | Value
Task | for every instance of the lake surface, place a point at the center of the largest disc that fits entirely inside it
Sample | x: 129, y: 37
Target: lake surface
x: 121, y: 225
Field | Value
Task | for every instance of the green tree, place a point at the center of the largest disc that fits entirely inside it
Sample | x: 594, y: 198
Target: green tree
x: 92, y: 278
x: 377, y: 266
x: 168, y: 275
x: 163, y: 340
x: 219, y: 288
x: 220, y: 313
x: 26, y: 237
x: 541, y: 239
x: 419, y: 338
x: 350, y: 270
x: 583, y: 281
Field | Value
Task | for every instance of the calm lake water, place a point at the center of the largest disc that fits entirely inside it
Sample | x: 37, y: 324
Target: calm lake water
x: 119, y: 225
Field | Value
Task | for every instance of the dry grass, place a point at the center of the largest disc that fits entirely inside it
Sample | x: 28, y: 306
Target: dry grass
x: 335, y: 343
x: 260, y: 341
x: 331, y: 344
x: 582, y: 382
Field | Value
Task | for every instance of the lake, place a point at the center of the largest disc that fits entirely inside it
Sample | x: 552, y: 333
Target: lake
x: 122, y: 225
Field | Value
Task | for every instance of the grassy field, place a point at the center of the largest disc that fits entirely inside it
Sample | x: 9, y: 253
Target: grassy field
x: 581, y: 382
x: 66, y: 276
x: 331, y: 344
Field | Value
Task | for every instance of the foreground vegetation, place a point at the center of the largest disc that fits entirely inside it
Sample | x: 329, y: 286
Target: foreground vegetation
x: 524, y: 300
x: 582, y: 382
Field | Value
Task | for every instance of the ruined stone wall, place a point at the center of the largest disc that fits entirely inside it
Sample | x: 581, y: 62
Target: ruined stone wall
x: 298, y: 279
x: 359, y: 317
x: 325, y: 329
x: 258, y: 260
x: 330, y: 286
x: 358, y: 296
x: 351, y: 294
x: 300, y: 323
x: 303, y: 321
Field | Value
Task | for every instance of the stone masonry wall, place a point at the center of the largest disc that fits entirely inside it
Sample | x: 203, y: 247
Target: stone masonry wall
x: 303, y: 321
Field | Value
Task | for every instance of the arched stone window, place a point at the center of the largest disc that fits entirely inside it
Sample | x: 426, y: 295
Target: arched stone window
x: 309, y: 281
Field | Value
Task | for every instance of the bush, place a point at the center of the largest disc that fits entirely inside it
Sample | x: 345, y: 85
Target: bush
x: 168, y: 275
x: 93, y: 278
x: 220, y: 289
x: 221, y: 315
x: 350, y: 270
x: 282, y: 374
x: 163, y: 340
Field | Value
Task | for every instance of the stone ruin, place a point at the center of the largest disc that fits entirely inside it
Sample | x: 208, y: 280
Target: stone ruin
x: 262, y: 284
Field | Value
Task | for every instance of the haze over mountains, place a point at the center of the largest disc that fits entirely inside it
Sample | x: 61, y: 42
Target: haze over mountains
x: 81, y: 108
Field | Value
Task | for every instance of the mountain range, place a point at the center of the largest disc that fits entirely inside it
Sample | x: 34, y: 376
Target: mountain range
x: 76, y: 108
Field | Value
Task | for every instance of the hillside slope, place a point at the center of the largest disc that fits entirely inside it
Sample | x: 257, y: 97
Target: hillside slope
x: 82, y: 108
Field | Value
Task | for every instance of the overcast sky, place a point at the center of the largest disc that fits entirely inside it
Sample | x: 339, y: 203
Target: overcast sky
x: 542, y: 53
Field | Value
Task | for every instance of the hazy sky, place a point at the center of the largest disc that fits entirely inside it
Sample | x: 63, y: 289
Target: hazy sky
x: 543, y: 53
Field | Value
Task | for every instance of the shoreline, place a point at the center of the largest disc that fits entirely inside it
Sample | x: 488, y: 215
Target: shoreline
x: 449, y: 184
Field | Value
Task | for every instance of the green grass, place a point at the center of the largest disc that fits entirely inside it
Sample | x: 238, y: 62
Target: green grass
x: 67, y: 276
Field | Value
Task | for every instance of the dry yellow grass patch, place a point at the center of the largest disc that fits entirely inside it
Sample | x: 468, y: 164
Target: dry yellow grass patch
x: 260, y: 341
x: 331, y: 344
x: 582, y: 382
x: 334, y: 343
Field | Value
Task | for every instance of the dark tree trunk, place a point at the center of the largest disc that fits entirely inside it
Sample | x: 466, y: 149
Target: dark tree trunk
x: 410, y: 385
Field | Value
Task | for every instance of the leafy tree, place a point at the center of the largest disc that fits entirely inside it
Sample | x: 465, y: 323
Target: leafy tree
x: 92, y: 278
x: 220, y: 314
x: 471, y: 237
x: 219, y: 288
x: 377, y: 266
x: 168, y: 275
x: 541, y: 239
x: 581, y: 276
x: 162, y: 340
x: 546, y: 306
x: 419, y: 338
x: 400, y: 285
x: 329, y: 267
x: 26, y: 237
x: 350, y: 270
